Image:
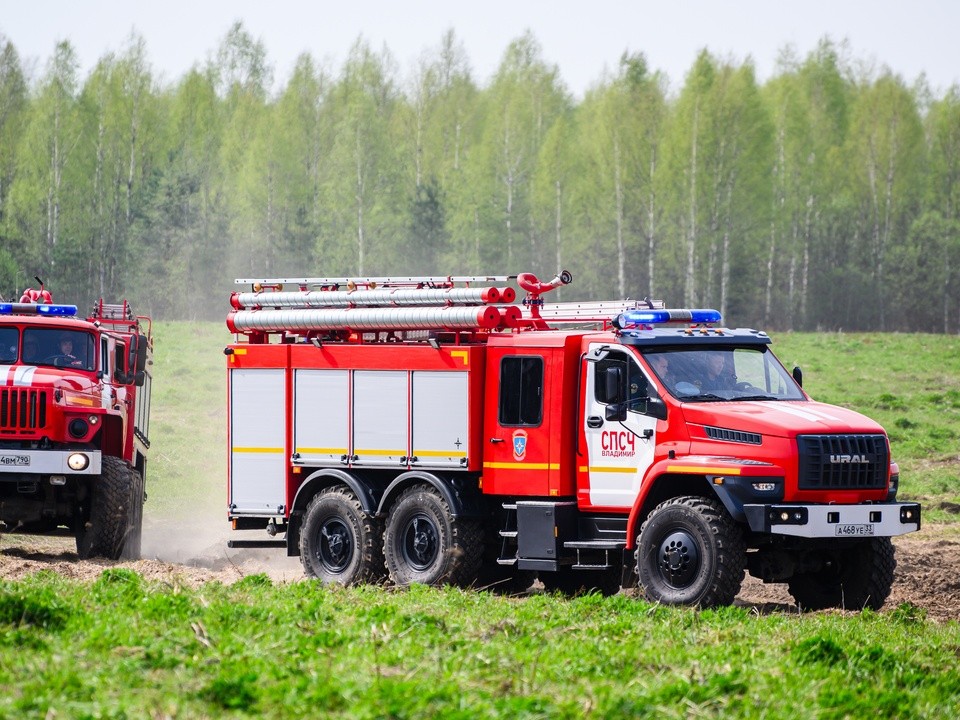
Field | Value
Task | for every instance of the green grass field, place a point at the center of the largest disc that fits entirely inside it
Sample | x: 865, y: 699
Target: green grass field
x: 124, y: 646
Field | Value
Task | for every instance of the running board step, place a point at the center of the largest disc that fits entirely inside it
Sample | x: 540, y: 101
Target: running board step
x: 256, y: 543
x: 595, y: 544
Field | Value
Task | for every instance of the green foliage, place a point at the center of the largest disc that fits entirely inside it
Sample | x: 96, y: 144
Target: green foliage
x: 824, y: 198
x: 305, y: 650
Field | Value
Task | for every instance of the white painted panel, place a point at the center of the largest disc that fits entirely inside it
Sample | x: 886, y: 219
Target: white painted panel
x: 380, y: 417
x: 257, y: 453
x: 321, y: 426
x: 440, y: 418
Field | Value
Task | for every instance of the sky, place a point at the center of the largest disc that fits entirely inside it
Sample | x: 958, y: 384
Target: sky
x: 583, y: 38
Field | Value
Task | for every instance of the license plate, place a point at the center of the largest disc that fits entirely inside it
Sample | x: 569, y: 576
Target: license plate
x: 14, y: 460
x: 854, y: 530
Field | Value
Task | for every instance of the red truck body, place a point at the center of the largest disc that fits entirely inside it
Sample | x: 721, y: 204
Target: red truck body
x: 546, y: 442
x: 74, y: 422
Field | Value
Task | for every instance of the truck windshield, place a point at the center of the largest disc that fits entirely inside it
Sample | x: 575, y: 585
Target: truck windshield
x: 722, y: 373
x: 9, y: 340
x: 58, y: 348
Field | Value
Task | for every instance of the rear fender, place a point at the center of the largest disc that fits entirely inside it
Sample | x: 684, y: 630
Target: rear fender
x: 460, y: 492
x: 315, y: 483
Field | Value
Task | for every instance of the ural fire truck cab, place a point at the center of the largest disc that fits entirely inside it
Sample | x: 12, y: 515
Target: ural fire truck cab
x: 74, y: 416
x: 410, y: 428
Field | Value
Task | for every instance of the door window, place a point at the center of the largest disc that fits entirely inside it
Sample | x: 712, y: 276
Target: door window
x: 521, y: 391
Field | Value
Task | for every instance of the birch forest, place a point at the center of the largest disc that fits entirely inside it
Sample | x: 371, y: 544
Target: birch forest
x: 825, y: 198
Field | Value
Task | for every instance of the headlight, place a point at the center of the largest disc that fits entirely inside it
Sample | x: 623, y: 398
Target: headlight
x: 78, y: 461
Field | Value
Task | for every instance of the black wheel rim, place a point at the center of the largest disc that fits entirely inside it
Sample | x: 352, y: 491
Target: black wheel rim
x: 420, y: 542
x: 335, y: 549
x: 678, y: 559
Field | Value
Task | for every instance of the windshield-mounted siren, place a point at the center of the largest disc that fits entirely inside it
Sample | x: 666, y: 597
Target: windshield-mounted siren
x: 36, y: 309
x: 644, y: 319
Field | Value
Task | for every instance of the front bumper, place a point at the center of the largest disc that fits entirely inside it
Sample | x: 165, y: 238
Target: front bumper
x: 840, y: 521
x: 47, y: 462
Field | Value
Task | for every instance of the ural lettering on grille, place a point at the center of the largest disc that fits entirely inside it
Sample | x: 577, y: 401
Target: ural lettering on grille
x: 831, y: 462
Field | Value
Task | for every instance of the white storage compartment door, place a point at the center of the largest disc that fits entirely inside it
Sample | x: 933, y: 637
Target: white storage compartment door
x: 257, y: 459
x: 440, y: 419
x: 380, y: 417
x: 321, y: 416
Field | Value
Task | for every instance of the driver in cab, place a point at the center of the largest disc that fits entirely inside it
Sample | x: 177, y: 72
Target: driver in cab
x: 716, y: 375
x: 66, y: 358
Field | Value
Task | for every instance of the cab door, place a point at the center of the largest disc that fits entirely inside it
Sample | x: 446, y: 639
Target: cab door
x: 618, y: 452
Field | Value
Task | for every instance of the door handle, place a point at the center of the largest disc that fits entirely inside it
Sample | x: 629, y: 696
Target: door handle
x: 496, y: 440
x: 594, y: 421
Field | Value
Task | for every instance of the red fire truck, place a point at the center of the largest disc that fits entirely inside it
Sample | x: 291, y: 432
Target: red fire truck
x: 434, y: 431
x: 74, y: 415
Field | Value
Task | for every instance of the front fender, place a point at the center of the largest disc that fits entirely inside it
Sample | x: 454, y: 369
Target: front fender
x: 731, y: 480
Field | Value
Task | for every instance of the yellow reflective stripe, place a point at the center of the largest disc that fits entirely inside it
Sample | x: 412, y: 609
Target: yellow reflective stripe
x: 521, y: 466
x: 462, y: 354
x: 608, y: 469
x: 257, y: 449
x: 321, y: 451
x: 439, y: 453
x: 379, y: 452
x: 702, y: 469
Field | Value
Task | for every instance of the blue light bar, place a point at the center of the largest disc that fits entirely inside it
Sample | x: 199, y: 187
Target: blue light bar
x: 37, y: 309
x: 633, y: 318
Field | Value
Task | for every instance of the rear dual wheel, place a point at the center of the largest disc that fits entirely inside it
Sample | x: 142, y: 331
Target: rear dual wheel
x: 424, y: 543
x: 339, y: 542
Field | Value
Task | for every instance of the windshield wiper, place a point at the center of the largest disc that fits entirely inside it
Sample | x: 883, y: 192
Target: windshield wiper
x: 704, y: 396
x: 757, y: 397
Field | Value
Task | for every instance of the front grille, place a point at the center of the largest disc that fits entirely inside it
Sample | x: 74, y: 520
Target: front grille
x: 843, y: 462
x: 22, y: 410
x: 737, y: 436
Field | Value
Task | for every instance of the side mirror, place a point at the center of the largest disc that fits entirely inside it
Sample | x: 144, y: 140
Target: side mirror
x: 139, y: 378
x: 137, y: 360
x: 798, y: 375
x: 612, y: 383
x: 656, y: 408
x: 616, y: 412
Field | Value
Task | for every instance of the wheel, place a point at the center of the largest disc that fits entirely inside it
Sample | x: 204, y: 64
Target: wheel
x: 690, y: 552
x: 580, y: 582
x: 854, y: 577
x: 339, y: 542
x: 132, y: 543
x: 112, y: 524
x: 424, y: 543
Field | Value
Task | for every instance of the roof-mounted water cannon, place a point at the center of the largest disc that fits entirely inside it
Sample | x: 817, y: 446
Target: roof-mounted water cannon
x: 535, y: 288
x: 37, y: 302
x: 37, y: 296
x: 644, y: 319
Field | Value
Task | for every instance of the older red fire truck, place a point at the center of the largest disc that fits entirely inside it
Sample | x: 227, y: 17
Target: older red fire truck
x: 74, y: 416
x: 431, y: 430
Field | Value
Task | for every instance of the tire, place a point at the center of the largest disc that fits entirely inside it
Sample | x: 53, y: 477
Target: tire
x: 424, y: 543
x: 339, y: 542
x: 133, y: 541
x: 854, y: 578
x: 581, y: 582
x: 690, y: 552
x: 111, y: 528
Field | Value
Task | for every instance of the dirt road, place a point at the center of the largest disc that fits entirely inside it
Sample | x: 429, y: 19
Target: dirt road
x: 928, y: 566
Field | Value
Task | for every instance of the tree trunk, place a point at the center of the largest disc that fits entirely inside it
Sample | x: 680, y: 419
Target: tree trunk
x: 690, y: 278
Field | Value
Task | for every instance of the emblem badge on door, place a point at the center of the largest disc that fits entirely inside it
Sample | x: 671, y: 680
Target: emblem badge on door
x: 519, y: 444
